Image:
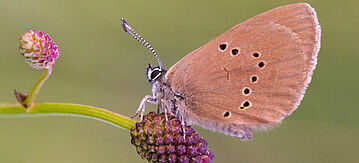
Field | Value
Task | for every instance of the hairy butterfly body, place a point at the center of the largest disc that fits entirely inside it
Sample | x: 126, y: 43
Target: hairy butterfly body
x: 252, y: 76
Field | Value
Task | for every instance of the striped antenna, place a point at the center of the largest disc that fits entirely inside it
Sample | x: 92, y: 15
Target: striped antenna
x: 136, y: 36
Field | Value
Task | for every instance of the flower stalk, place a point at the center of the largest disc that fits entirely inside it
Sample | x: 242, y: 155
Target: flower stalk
x: 27, y: 100
x: 64, y: 109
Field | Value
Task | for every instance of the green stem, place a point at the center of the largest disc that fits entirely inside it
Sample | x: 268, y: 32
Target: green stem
x: 63, y: 109
x: 35, y: 90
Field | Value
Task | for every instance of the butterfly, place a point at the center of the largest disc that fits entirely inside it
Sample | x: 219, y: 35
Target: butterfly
x: 250, y: 77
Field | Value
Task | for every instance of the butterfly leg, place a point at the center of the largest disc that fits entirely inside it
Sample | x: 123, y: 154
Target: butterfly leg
x: 142, y: 106
x: 183, y: 126
x: 164, y: 108
x: 177, y: 112
x: 166, y: 115
x: 158, y: 109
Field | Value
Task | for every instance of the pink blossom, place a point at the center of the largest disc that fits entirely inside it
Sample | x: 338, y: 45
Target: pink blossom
x: 39, y: 50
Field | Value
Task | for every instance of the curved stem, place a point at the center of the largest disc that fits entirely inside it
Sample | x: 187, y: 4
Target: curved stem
x: 64, y: 109
x: 35, y: 90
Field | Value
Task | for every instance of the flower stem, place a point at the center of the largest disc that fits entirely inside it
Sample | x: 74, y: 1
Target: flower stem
x: 35, y: 90
x: 64, y: 109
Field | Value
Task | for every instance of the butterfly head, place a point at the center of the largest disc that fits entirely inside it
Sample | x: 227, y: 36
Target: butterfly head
x: 154, y: 73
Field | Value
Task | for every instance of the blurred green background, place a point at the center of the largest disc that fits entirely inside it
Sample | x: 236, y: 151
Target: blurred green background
x: 101, y: 65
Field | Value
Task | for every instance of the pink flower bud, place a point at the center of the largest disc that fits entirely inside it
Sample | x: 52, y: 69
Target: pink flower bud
x: 38, y: 49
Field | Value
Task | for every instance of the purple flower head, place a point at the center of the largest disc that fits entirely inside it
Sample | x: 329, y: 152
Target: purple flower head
x: 38, y: 49
x: 159, y: 141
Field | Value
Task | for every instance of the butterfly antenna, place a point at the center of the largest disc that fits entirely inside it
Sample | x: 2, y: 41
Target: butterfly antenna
x: 136, y: 36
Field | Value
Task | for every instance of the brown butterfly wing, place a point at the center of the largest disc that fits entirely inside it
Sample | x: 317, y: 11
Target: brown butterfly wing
x: 260, y: 84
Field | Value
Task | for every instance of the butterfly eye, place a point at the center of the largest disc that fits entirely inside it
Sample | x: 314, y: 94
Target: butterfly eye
x: 155, y: 74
